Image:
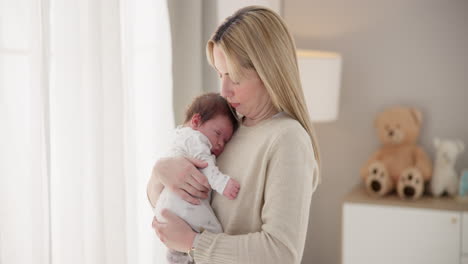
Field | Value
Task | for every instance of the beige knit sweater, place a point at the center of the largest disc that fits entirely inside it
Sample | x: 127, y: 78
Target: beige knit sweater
x: 267, y: 223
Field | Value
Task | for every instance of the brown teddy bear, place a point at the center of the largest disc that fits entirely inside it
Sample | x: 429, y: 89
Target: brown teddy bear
x: 399, y: 163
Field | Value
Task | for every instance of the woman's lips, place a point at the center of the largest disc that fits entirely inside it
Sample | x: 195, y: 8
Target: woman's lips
x: 234, y: 105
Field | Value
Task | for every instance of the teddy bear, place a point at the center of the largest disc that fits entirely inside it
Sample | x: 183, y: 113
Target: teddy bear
x: 399, y: 163
x: 445, y: 179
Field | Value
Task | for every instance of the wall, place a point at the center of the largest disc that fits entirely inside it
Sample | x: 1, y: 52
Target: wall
x: 394, y: 52
x: 186, y: 19
x: 210, y: 23
x: 192, y: 23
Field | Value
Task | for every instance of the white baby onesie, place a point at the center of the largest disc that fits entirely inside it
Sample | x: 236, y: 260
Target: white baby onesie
x: 191, y: 143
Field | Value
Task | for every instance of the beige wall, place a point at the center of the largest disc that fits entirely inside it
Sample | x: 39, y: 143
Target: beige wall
x: 186, y: 31
x: 192, y: 23
x: 394, y: 52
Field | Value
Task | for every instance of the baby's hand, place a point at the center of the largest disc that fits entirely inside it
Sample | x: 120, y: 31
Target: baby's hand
x: 232, y: 189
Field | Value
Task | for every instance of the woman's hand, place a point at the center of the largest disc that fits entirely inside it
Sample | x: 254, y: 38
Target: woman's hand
x: 182, y: 177
x: 176, y: 233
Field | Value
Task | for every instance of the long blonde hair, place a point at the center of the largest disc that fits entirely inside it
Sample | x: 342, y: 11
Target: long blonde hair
x: 257, y: 38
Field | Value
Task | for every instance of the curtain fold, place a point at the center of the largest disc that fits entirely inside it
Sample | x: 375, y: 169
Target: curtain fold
x: 24, y: 201
x: 148, y: 77
x: 86, y: 106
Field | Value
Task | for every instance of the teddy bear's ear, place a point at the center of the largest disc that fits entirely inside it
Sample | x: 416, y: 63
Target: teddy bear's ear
x: 436, y: 142
x: 417, y: 116
x: 460, y: 146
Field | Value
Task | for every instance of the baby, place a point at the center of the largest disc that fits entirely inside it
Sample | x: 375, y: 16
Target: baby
x: 209, y: 125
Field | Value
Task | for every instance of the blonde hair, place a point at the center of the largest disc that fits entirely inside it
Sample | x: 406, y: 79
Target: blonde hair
x: 257, y: 38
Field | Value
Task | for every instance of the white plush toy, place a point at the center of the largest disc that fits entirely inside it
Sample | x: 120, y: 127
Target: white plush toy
x: 445, y: 179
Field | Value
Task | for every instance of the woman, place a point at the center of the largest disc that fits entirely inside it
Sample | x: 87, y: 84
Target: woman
x: 273, y: 154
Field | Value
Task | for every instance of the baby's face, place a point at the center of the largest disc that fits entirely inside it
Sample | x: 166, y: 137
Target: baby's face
x: 218, y: 130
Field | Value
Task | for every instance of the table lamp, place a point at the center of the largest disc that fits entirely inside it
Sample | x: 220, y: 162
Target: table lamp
x: 320, y: 77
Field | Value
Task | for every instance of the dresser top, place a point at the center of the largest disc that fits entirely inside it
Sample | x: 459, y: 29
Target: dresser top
x: 359, y: 195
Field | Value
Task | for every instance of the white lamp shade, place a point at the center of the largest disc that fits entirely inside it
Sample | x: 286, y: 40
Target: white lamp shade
x: 321, y: 78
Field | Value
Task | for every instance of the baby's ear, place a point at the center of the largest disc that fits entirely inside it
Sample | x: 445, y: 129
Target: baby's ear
x: 417, y: 115
x: 196, y: 121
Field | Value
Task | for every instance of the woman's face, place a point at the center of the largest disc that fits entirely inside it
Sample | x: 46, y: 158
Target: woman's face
x: 248, y: 95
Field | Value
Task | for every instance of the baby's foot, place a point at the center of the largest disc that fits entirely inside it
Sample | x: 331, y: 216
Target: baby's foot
x: 232, y: 189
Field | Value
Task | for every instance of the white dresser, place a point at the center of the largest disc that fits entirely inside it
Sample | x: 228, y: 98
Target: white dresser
x: 389, y: 230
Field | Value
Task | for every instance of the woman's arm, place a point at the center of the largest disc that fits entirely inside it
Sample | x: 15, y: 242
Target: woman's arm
x: 181, y: 176
x: 153, y: 189
x: 176, y: 233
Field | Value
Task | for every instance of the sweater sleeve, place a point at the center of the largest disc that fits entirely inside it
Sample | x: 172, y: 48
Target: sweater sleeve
x: 291, y: 174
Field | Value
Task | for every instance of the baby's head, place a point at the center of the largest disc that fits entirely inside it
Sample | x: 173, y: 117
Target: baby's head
x: 211, y: 115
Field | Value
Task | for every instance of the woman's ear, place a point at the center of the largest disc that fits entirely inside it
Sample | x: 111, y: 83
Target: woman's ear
x: 195, y: 121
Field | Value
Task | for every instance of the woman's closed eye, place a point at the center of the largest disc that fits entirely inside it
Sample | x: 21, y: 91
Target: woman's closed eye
x: 233, y: 81
x: 220, y: 75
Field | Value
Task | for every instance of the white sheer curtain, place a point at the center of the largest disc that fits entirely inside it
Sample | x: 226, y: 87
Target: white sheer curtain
x: 147, y: 45
x: 85, y: 105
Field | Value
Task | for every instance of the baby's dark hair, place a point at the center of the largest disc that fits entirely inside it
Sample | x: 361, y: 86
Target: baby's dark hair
x: 208, y: 106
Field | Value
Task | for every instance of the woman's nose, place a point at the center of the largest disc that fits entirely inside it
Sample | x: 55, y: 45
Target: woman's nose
x: 226, y: 89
